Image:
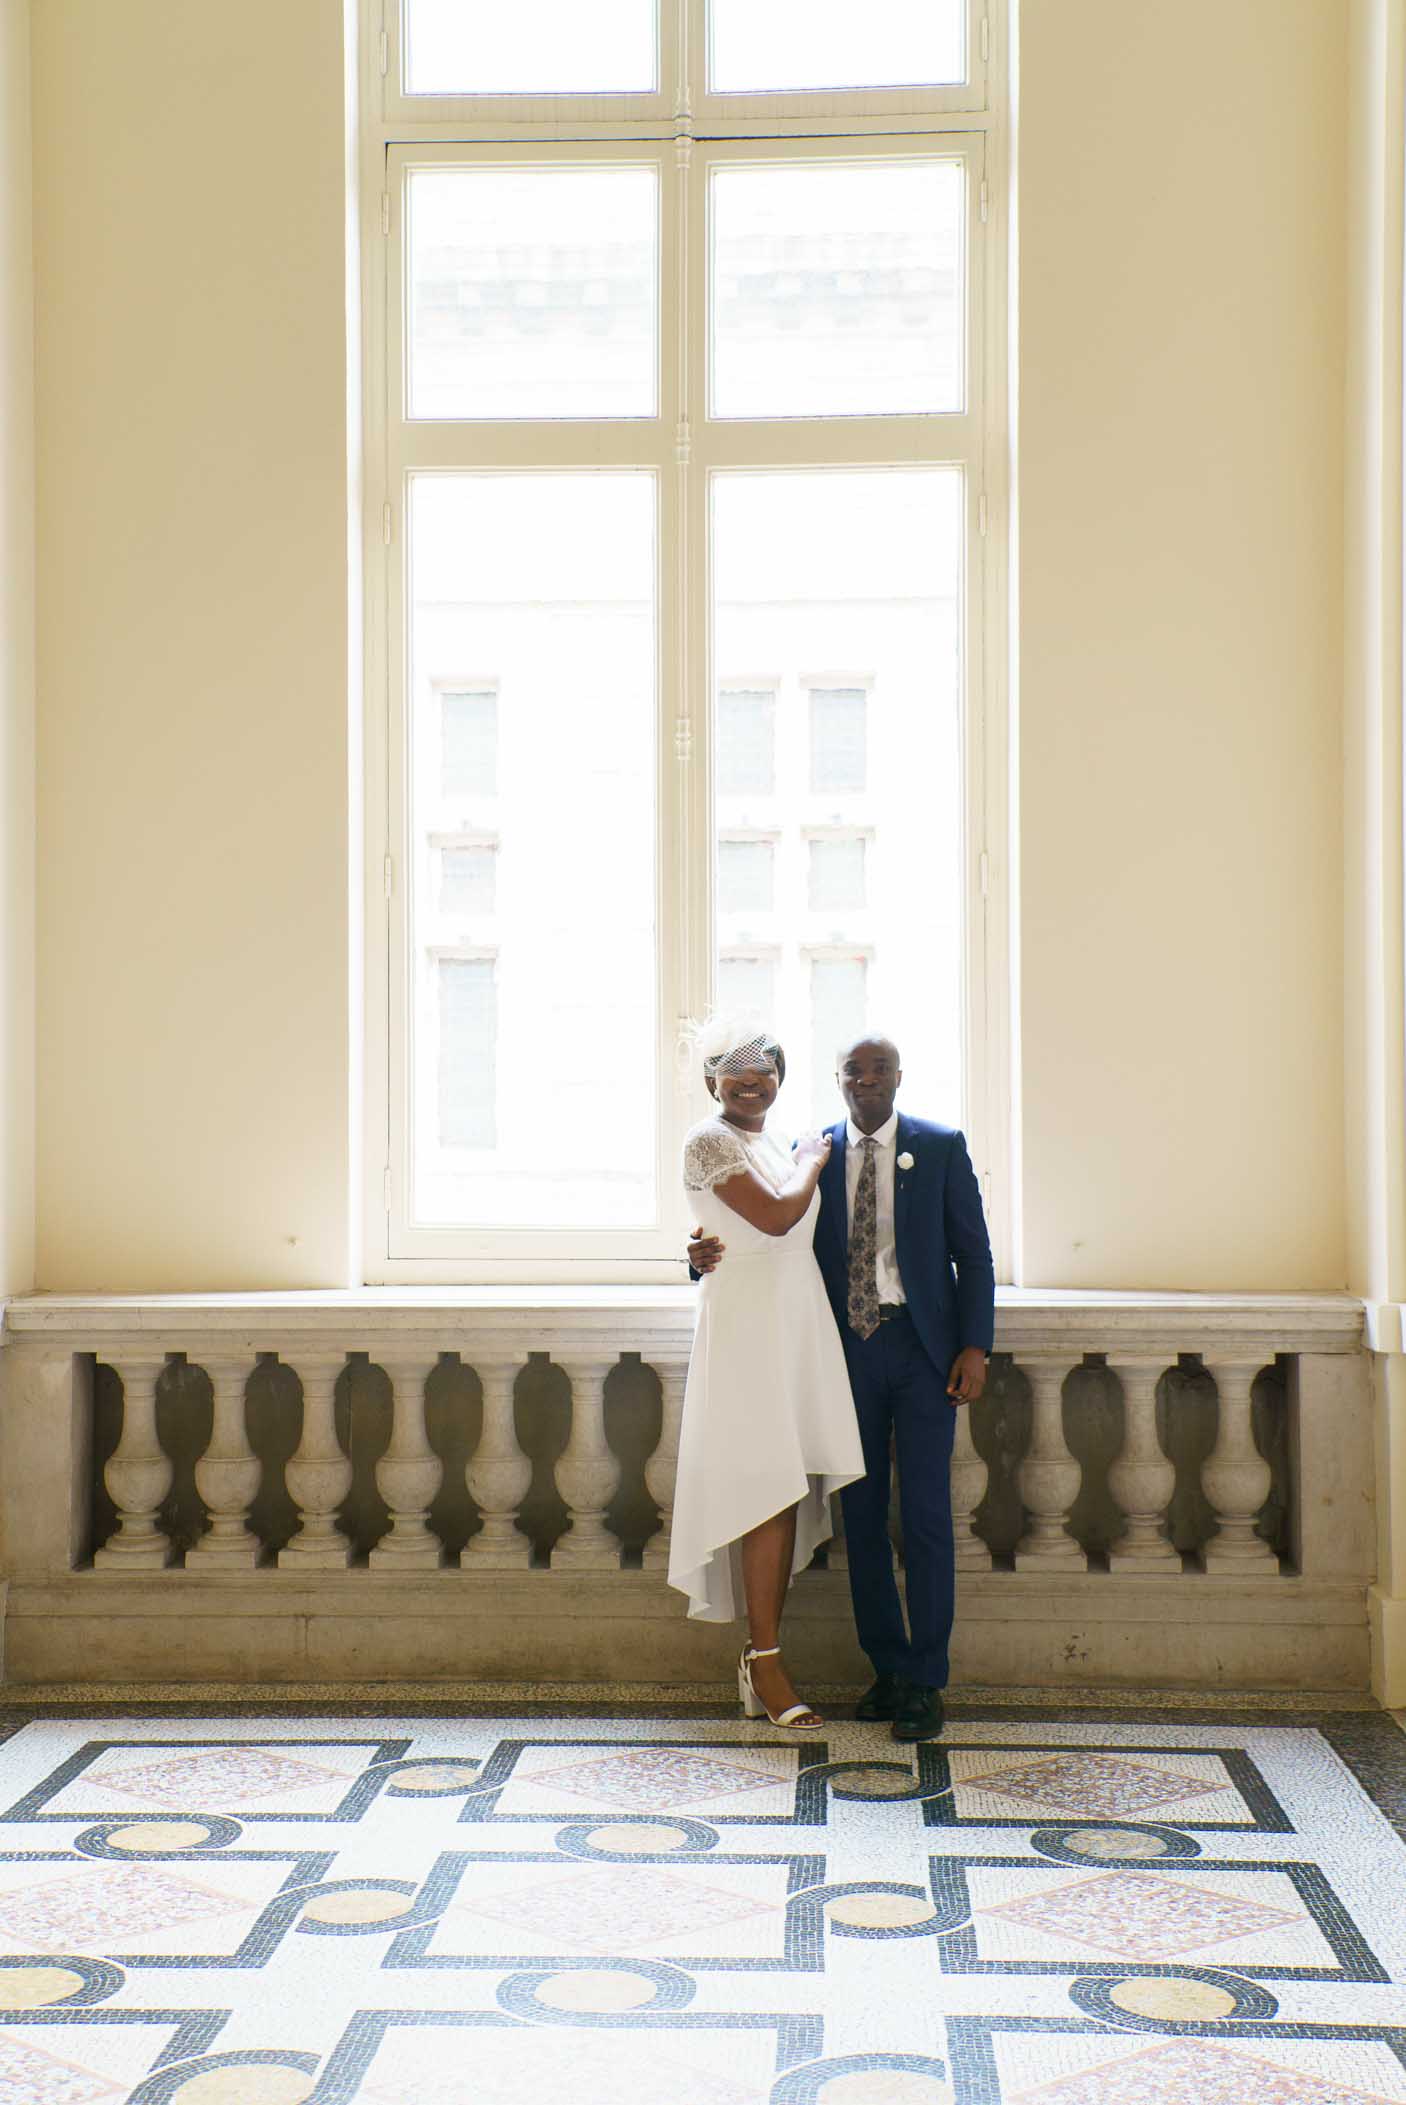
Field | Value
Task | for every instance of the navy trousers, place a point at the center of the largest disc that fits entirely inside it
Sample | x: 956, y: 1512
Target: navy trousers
x: 899, y: 1392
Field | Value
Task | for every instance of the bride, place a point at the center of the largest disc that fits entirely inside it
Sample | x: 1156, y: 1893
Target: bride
x: 769, y: 1430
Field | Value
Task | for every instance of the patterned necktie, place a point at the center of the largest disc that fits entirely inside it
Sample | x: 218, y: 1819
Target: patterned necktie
x: 864, y: 1248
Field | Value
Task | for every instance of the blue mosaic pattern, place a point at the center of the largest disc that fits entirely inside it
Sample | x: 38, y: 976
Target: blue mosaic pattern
x: 1127, y: 1907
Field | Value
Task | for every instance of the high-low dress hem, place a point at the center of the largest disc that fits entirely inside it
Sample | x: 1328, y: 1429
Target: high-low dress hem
x: 768, y: 1416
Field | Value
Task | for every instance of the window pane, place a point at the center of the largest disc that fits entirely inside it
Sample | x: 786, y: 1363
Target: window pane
x: 837, y: 289
x: 468, y: 1051
x: 854, y: 568
x: 838, y: 996
x: 466, y: 880
x: 469, y: 744
x: 837, y: 738
x: 799, y: 44
x: 836, y: 875
x: 550, y: 47
x: 747, y: 985
x: 533, y: 292
x: 744, y: 877
x: 745, y: 730
x: 547, y: 581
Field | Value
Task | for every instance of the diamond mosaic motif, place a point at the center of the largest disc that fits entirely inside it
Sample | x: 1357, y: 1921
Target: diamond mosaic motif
x: 30, y: 2077
x: 658, y: 1779
x: 1103, y: 1784
x: 99, y: 1907
x: 1193, y: 2069
x: 618, y: 1910
x: 1142, y: 1914
x: 215, y: 1777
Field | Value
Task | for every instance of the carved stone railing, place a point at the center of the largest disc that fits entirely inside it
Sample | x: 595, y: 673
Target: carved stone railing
x: 1156, y: 1488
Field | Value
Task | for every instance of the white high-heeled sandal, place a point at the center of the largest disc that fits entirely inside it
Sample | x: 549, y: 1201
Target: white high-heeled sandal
x: 752, y: 1704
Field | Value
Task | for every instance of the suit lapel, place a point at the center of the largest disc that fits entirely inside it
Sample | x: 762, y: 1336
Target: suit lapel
x: 834, y: 1207
x: 902, y: 1189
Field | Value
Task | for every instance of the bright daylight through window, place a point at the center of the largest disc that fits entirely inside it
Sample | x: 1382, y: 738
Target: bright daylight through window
x: 679, y: 419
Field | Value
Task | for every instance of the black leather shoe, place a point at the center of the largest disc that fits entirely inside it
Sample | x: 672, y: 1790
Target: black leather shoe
x: 918, y: 1712
x: 879, y: 1702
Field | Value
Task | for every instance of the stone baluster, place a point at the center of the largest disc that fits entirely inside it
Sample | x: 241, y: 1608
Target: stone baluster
x: 1141, y: 1479
x: 1236, y: 1477
x: 587, y: 1474
x: 408, y: 1473
x: 139, y: 1473
x: 318, y: 1475
x: 227, y: 1474
x: 662, y: 1467
x: 498, y: 1475
x: 1049, y: 1477
x: 968, y: 1483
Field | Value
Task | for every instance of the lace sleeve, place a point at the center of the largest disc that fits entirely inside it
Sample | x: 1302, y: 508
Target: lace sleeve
x: 712, y: 1153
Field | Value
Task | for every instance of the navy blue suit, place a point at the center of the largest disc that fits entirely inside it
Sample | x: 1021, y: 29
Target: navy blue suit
x: 899, y: 1377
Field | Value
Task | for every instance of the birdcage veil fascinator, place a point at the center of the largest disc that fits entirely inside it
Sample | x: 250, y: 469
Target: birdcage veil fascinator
x: 726, y: 1044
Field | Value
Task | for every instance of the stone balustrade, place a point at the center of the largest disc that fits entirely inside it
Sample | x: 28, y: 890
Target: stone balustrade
x: 1155, y: 1488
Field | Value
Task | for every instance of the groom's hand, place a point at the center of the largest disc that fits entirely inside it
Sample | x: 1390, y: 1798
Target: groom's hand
x: 705, y: 1251
x: 968, y: 1377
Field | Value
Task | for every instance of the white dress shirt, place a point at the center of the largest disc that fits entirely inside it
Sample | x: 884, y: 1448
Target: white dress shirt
x: 885, y: 1138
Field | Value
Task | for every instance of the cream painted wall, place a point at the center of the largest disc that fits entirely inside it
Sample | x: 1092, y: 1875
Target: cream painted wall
x: 193, y: 918
x: 1181, y: 229
x: 1373, y: 928
x: 1374, y: 931
x: 16, y: 659
x: 1181, y: 218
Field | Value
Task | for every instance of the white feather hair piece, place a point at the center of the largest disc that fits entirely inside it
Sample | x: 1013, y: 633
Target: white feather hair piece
x: 727, y: 1039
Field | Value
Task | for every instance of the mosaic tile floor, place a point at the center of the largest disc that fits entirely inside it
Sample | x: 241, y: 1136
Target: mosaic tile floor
x: 1055, y: 1905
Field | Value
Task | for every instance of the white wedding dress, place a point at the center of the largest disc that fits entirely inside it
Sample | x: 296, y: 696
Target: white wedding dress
x: 768, y: 1417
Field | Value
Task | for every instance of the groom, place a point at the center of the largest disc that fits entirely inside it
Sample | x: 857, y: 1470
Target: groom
x: 902, y: 1245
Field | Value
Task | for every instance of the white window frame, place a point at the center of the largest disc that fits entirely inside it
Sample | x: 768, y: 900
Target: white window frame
x: 684, y: 134
x: 680, y: 92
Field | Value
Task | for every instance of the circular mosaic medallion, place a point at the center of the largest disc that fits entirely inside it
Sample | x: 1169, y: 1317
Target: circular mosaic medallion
x: 883, y: 2086
x: 32, y: 1987
x: 253, y: 2083
x: 158, y: 1835
x: 879, y: 1911
x: 644, y: 1839
x: 1169, y: 1997
x: 437, y: 1776
x: 873, y: 1782
x: 1113, y: 1842
x: 596, y: 1990
x: 357, y: 1905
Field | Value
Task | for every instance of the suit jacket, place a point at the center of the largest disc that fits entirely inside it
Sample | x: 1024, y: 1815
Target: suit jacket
x: 943, y: 1251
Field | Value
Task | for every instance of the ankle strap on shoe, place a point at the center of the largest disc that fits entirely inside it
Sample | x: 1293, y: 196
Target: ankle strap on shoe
x: 771, y: 1652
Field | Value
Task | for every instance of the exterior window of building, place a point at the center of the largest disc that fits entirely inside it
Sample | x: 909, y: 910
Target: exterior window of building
x: 746, y: 742
x: 468, y: 1052
x: 468, y: 878
x: 747, y: 984
x: 838, y: 756
x: 469, y: 743
x: 838, y: 1014
x: 837, y: 873
x: 746, y: 876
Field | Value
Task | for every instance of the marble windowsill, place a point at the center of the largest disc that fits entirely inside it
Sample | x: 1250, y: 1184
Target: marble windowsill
x: 637, y: 1318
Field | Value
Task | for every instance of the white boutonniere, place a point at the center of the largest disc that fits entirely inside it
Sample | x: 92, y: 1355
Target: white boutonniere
x: 905, y: 1161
